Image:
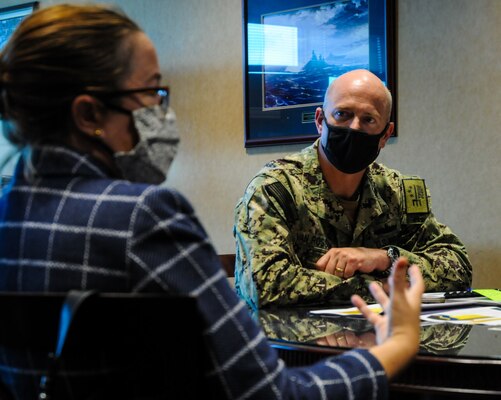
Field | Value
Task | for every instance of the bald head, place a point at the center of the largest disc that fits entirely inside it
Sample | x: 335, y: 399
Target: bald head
x: 359, y: 85
x: 354, y: 123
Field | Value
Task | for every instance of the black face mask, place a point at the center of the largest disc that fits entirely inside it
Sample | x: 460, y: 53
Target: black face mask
x: 350, y: 150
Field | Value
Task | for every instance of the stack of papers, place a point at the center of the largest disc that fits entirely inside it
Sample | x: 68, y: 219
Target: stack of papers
x: 469, y: 311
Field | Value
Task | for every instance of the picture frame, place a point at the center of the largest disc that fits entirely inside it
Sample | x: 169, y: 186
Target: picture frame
x: 11, y: 17
x: 293, y: 49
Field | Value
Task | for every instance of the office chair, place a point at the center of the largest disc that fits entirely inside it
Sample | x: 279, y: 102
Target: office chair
x: 89, y: 345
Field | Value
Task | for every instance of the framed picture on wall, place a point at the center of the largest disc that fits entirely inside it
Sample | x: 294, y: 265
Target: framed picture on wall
x: 293, y: 49
x: 11, y: 17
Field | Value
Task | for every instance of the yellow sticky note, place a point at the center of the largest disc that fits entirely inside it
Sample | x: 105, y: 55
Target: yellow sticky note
x: 491, y: 294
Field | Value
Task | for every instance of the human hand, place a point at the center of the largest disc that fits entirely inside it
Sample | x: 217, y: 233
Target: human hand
x: 345, y: 261
x: 397, y: 330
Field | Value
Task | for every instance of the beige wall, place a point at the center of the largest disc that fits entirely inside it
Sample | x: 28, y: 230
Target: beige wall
x: 449, y: 81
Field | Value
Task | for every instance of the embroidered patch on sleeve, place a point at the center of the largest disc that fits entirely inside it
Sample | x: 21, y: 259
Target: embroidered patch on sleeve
x: 416, y: 200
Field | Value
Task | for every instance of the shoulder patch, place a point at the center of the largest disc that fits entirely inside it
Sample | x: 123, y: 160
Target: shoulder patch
x: 285, y: 200
x: 416, y: 199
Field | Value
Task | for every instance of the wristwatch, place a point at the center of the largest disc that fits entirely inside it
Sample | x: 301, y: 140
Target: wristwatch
x: 393, y: 254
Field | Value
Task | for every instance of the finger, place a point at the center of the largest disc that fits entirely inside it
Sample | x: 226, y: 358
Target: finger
x: 414, y: 295
x: 330, y: 265
x: 349, y: 271
x: 386, y: 286
x: 341, y: 340
x: 379, y: 294
x: 339, y: 268
x: 321, y: 263
x: 416, y: 278
x: 357, y: 301
x: 343, y: 263
x: 398, y: 281
x: 351, y: 339
x: 369, y: 315
x: 329, y: 340
x: 339, y: 272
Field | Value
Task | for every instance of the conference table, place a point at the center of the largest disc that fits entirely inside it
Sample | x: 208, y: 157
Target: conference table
x: 454, y: 361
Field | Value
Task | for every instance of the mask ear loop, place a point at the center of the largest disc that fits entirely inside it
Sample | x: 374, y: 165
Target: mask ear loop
x: 384, y: 129
x: 324, y: 118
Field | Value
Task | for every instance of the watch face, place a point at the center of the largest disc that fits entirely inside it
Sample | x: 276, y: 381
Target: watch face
x: 393, y: 253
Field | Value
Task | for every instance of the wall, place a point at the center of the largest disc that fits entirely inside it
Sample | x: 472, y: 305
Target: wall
x: 449, y: 78
x: 449, y: 74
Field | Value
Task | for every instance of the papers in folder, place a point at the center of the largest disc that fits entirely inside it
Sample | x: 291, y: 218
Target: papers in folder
x: 469, y: 311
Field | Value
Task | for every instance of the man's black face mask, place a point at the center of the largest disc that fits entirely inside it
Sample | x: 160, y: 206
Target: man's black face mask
x: 350, y: 150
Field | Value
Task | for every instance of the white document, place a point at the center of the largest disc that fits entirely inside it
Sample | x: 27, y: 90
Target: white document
x: 448, y: 304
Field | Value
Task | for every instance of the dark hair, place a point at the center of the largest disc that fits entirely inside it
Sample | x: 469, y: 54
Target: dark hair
x: 55, y: 54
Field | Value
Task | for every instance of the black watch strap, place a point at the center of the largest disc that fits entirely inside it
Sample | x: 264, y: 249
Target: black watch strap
x: 393, y: 254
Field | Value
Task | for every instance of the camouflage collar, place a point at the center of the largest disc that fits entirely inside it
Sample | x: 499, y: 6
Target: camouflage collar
x: 323, y: 203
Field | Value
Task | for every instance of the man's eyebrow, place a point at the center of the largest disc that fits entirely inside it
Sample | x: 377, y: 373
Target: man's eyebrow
x: 345, y: 109
x: 373, y: 114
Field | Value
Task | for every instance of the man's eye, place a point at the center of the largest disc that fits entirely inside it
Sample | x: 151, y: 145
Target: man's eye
x: 341, y: 115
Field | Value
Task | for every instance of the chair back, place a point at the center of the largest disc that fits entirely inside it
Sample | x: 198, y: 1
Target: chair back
x: 228, y: 263
x: 110, y: 345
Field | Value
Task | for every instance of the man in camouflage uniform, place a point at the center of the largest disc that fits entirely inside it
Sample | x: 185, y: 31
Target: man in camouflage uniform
x: 319, y: 225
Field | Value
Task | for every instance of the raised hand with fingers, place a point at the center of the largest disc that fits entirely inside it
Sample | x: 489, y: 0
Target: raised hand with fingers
x: 397, y: 330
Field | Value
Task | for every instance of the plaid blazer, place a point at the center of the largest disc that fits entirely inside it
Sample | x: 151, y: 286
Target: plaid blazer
x: 65, y: 224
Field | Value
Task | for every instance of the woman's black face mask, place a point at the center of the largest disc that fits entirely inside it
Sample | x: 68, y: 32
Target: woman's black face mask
x: 350, y: 150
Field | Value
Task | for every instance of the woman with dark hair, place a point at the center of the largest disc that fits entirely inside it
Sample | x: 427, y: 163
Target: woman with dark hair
x: 81, y: 93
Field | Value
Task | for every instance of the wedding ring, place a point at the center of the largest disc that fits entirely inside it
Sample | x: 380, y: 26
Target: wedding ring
x: 339, y: 269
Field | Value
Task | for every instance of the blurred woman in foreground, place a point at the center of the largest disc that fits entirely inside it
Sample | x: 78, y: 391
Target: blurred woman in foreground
x: 82, y: 96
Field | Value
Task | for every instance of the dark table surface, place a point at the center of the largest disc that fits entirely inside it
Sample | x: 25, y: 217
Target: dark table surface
x: 296, y: 325
x: 459, y: 360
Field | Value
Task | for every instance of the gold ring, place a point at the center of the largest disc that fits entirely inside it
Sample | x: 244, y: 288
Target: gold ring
x: 339, y: 269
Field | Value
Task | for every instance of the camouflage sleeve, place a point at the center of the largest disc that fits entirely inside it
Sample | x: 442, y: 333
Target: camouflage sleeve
x: 267, y: 269
x: 439, y: 253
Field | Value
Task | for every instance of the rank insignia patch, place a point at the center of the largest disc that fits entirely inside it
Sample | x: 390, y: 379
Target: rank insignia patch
x: 416, y: 200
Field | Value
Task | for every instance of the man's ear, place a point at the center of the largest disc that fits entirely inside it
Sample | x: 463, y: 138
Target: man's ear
x: 87, y: 113
x: 319, y: 117
x: 387, y: 135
